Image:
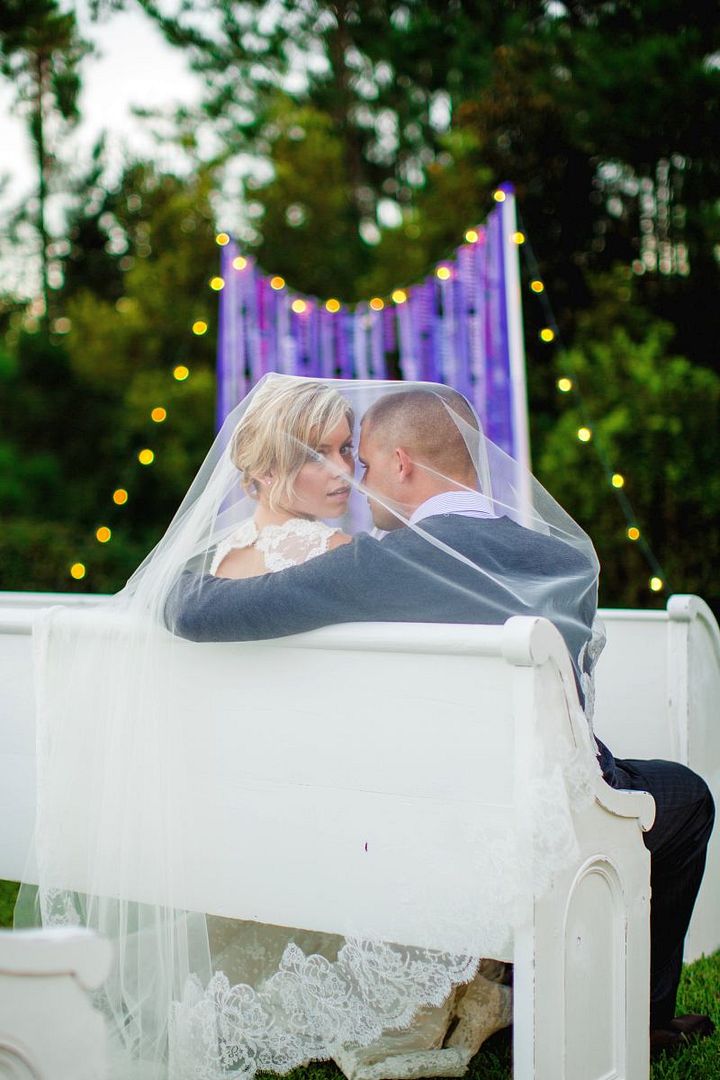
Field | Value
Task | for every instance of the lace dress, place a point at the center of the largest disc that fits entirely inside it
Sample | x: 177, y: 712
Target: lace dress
x: 281, y: 546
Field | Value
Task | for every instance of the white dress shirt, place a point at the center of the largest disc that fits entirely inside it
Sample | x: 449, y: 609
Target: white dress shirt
x: 466, y: 503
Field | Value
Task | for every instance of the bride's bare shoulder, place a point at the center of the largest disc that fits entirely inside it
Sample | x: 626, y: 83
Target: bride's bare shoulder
x: 338, y: 539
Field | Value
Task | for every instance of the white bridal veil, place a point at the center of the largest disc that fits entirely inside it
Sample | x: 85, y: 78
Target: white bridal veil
x: 209, y: 995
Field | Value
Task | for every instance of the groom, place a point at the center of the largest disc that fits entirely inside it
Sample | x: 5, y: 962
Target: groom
x: 416, y: 461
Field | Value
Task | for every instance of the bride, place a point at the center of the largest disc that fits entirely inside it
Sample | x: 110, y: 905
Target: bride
x: 192, y: 995
x: 295, y: 489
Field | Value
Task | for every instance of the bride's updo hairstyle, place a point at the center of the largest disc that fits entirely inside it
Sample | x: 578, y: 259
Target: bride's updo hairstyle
x: 272, y: 439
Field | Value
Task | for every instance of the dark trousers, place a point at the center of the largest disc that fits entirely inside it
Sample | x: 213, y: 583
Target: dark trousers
x: 677, y: 843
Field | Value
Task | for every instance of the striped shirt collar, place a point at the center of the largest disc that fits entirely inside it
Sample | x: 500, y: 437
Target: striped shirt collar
x: 465, y: 503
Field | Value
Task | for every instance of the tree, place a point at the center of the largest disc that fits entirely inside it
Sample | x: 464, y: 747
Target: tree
x: 40, y: 53
x: 75, y: 408
x: 656, y: 419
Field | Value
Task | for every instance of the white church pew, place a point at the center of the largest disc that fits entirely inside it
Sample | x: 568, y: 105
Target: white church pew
x: 658, y: 696
x: 48, y: 1027
x: 426, y: 731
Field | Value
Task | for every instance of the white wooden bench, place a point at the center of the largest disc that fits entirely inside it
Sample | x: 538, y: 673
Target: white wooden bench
x: 658, y: 696
x: 48, y: 1027
x: 418, y: 738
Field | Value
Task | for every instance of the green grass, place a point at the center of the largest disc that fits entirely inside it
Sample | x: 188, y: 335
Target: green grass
x: 699, y: 993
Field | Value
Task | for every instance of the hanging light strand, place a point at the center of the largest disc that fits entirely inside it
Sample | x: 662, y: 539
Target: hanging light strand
x: 570, y: 384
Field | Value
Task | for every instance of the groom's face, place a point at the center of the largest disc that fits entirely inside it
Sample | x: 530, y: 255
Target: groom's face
x: 378, y: 461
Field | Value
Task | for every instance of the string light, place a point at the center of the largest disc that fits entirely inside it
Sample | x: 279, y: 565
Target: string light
x: 222, y: 239
x: 239, y: 262
x: 277, y: 283
x: 499, y: 196
x: 332, y: 305
x: 77, y: 571
x: 616, y: 480
x: 518, y: 237
x: 181, y: 372
x: 103, y: 534
x: 217, y: 283
x: 120, y: 496
x: 299, y: 306
x: 444, y: 273
x: 199, y: 327
x: 472, y: 236
x: 399, y: 296
x: 377, y: 304
x: 158, y: 414
x: 146, y: 457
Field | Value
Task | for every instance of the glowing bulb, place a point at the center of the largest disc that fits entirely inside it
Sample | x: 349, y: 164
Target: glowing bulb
x: 181, y: 372
x: 158, y: 414
x: 199, y: 327
x: 443, y: 272
x: 564, y: 385
x: 146, y: 457
x: 217, y: 283
x: 239, y: 262
x: 120, y: 496
x: 77, y: 571
x: 656, y: 584
x: 472, y: 236
x: 277, y: 282
x: 546, y: 334
x: 377, y: 304
x: 518, y: 237
x: 332, y: 306
x: 399, y: 296
x: 537, y: 286
x: 633, y: 533
x: 103, y: 534
x: 618, y: 480
x: 298, y: 306
x: 499, y: 196
x: 222, y: 239
x: 584, y: 434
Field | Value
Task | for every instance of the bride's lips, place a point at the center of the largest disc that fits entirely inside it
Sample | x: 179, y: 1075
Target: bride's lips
x: 339, y: 493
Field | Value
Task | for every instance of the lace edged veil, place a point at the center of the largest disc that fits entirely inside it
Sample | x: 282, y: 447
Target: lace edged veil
x: 203, y: 995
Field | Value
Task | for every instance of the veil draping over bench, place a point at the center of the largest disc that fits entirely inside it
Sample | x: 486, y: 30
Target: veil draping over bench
x: 207, y: 995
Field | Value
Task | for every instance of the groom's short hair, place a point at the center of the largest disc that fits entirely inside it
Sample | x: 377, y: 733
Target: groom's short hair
x: 437, y: 426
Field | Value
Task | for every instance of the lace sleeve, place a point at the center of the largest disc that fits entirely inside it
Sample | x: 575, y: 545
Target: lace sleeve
x: 242, y: 537
x: 293, y: 543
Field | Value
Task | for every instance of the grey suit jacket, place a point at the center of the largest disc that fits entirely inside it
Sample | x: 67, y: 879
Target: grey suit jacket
x: 401, y: 578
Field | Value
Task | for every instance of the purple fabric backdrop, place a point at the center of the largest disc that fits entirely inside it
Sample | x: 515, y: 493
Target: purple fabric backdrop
x: 451, y: 329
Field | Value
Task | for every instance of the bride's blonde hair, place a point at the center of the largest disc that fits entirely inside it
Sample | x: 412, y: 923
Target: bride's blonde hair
x: 284, y: 421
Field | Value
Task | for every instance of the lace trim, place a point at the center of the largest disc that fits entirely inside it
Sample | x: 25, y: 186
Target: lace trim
x: 282, y: 546
x: 308, y: 1009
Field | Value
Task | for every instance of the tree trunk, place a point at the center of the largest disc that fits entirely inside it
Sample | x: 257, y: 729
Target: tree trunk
x: 41, y: 81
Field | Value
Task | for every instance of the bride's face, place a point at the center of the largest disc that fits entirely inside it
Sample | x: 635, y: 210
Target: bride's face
x: 321, y: 488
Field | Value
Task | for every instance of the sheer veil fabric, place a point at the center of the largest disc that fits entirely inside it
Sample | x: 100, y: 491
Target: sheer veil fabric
x: 197, y: 994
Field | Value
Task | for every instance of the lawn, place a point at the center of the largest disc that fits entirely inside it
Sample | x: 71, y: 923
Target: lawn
x: 699, y: 993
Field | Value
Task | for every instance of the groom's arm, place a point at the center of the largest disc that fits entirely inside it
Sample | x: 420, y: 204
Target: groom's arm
x: 329, y: 589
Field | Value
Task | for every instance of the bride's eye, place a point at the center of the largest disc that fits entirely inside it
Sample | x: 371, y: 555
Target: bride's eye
x: 347, y: 450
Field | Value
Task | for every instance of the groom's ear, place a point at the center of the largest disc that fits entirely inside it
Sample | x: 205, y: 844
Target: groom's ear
x: 404, y: 463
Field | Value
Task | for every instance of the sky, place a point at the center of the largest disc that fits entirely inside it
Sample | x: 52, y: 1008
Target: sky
x: 134, y: 66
